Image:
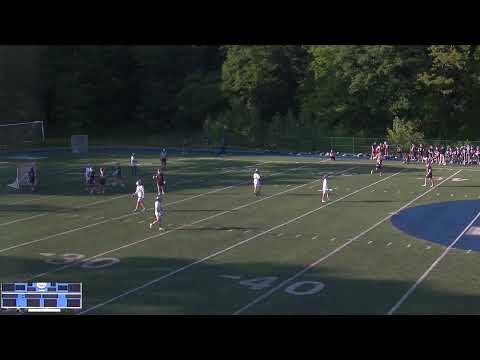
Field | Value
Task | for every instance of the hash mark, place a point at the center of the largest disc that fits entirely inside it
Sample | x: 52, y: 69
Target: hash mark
x: 429, y: 247
x: 389, y: 244
x: 280, y: 234
x: 332, y: 239
x: 298, y: 235
x: 469, y: 251
x: 409, y: 245
x: 369, y: 242
x: 316, y: 236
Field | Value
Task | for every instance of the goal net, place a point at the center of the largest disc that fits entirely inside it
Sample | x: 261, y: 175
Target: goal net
x: 79, y: 144
x: 22, y: 175
x: 22, y: 134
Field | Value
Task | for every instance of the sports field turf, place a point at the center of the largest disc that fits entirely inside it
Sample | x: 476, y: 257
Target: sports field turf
x: 381, y: 245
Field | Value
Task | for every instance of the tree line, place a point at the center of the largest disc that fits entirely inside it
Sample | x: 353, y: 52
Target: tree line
x: 264, y: 95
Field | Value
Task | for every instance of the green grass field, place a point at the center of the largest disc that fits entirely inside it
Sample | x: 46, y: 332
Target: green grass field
x: 225, y: 251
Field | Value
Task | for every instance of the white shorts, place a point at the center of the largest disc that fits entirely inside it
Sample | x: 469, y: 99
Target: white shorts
x: 158, y: 215
x: 256, y: 183
x: 140, y: 199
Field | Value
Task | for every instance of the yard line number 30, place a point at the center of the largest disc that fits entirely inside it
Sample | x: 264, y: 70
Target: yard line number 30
x: 65, y: 259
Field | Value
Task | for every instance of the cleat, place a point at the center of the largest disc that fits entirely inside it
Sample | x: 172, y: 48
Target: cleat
x: 151, y: 226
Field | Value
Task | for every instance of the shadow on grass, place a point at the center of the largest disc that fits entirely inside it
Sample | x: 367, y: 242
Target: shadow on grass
x: 203, y: 289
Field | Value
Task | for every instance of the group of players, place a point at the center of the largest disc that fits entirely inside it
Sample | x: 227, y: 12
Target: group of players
x: 378, y: 153
x: 441, y: 155
x: 98, y: 183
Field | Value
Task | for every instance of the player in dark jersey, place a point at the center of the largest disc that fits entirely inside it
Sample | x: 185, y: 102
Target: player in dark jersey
x: 163, y: 158
x: 332, y: 155
x: 32, y: 178
x: 160, y: 181
x: 91, y: 181
x: 428, y: 172
x: 102, y: 181
x: 379, y: 165
x: 117, y: 176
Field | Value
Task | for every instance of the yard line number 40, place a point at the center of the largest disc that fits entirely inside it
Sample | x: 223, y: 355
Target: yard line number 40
x: 65, y: 259
x: 298, y: 288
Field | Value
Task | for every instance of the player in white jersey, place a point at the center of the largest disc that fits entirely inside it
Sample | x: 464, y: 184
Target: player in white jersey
x: 256, y: 183
x: 133, y: 164
x: 325, y: 189
x: 87, y: 173
x: 158, y: 213
x: 140, y: 192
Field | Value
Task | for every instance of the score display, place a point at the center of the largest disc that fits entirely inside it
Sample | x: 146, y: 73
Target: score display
x: 41, y: 296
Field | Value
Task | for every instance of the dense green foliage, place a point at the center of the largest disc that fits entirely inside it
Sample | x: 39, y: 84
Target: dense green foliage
x: 404, y: 134
x: 262, y: 95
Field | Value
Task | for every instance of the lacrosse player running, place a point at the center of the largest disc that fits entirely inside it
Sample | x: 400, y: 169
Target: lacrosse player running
x: 140, y: 192
x: 158, y: 213
x: 325, y: 189
x: 256, y: 183
x: 379, y: 165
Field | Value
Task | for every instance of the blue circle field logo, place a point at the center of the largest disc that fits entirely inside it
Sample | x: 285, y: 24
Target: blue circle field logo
x: 442, y: 222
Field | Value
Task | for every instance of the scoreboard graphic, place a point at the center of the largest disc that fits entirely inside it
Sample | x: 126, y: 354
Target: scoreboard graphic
x: 41, y: 296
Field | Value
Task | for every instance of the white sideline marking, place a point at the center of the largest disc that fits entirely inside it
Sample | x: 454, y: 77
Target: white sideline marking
x: 180, y: 227
x: 225, y: 249
x: 425, y: 274
x: 234, y: 277
x: 120, y: 217
x: 316, y: 236
x: 318, y: 261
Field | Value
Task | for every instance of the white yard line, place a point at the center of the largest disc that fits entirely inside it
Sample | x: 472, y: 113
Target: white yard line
x: 184, y: 226
x: 183, y: 268
x: 435, y: 263
x: 30, y: 200
x: 318, y: 261
x: 64, y: 211
x: 126, y: 215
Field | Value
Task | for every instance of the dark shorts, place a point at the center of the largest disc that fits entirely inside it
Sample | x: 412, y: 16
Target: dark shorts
x: 429, y: 175
x: 31, y: 179
x: 379, y: 166
x: 103, y: 181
